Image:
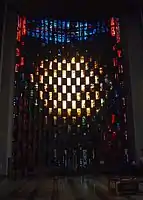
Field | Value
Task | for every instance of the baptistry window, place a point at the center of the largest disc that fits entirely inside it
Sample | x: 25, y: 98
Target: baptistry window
x: 68, y: 83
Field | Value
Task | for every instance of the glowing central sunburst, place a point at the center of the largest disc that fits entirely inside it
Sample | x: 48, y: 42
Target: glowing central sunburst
x: 70, y: 88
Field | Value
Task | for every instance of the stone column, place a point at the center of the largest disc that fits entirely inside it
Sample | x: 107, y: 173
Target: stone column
x: 6, y: 92
x: 133, y: 50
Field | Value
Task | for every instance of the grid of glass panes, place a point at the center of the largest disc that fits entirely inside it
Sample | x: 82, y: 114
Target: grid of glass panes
x: 73, y: 87
x: 57, y: 31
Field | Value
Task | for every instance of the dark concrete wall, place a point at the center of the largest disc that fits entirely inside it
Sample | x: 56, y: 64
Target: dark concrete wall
x: 6, y: 92
x: 133, y: 43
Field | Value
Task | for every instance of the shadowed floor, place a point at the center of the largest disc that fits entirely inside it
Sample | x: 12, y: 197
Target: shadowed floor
x: 58, y: 188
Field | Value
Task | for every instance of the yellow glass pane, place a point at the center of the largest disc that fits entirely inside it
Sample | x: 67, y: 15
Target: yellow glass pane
x: 87, y: 80
x: 64, y: 73
x: 64, y: 61
x: 64, y: 104
x: 92, y: 87
x: 92, y: 103
x: 68, y: 66
x: 91, y: 73
x: 73, y: 104
x: 55, y: 61
x: 73, y: 89
x: 42, y: 64
x: 50, y: 95
x: 102, y: 102
x: 59, y: 66
x: 86, y: 66
x: 45, y: 72
x: 55, y: 73
x: 77, y: 66
x: 97, y: 95
x: 50, y: 110
x: 64, y: 89
x: 50, y: 80
x: 82, y: 59
x: 83, y: 104
x: 79, y: 112
x: 36, y: 86
x: 31, y: 78
x: 78, y: 97
x: 50, y: 65
x: 68, y: 81
x: 95, y: 65
x: 101, y: 86
x: 41, y: 79
x: 83, y: 88
x: 88, y: 111
x: 73, y: 60
x: 59, y: 97
x: 41, y: 94
x: 96, y: 79
x: 82, y: 73
x: 69, y: 111
x: 87, y: 95
x: 55, y: 88
x: 59, y: 81
x: 45, y: 102
x: 68, y: 96
x: 46, y: 87
x: 59, y: 111
x: 100, y: 70
x: 78, y: 81
x: 55, y: 103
